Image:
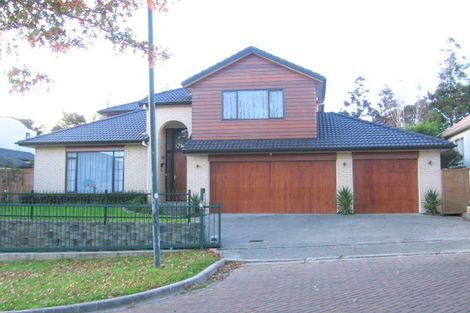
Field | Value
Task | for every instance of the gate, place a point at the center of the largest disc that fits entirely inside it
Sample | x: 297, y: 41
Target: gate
x: 455, y: 191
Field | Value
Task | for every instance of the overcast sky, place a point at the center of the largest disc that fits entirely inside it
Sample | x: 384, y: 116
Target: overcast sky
x: 388, y: 42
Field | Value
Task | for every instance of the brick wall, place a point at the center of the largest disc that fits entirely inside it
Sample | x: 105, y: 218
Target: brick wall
x: 198, y: 170
x: 135, y: 168
x: 22, y: 234
x: 344, y: 170
x: 49, y: 169
x: 429, y: 171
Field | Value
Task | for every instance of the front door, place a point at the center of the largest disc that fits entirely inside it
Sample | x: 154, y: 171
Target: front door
x: 175, y: 169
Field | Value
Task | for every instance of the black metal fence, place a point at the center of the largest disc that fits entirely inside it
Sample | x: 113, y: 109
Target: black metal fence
x: 61, y: 222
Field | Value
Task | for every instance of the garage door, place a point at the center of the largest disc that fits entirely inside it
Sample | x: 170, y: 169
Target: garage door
x: 385, y: 183
x: 274, y: 184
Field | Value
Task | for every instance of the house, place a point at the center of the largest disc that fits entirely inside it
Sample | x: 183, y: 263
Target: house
x: 13, y: 130
x: 250, y: 130
x: 15, y: 159
x: 16, y: 172
x: 459, y: 134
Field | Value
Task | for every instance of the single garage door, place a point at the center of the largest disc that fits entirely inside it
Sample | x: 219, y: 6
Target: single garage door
x: 274, y: 184
x: 385, y: 182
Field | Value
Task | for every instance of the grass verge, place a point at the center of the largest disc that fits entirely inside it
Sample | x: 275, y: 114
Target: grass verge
x: 38, y: 284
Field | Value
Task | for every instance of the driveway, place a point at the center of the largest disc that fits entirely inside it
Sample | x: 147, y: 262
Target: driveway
x: 287, y: 237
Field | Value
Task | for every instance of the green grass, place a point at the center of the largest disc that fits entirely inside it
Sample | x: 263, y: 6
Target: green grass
x: 37, y: 284
x: 116, y: 213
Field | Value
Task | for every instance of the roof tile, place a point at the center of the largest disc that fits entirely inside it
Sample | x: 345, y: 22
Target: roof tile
x: 123, y: 128
x: 336, y: 132
x: 174, y: 96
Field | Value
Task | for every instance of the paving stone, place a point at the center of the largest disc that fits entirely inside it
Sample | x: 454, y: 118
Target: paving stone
x: 396, y: 284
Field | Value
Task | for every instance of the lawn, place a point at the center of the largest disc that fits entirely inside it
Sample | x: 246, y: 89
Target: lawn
x: 37, y: 284
x: 97, y: 213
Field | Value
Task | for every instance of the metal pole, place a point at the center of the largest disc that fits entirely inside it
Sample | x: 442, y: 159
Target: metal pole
x: 153, y: 140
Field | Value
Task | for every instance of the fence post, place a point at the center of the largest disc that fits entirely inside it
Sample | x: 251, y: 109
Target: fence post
x: 105, y: 215
x: 32, y: 205
x: 188, y: 207
x: 202, y: 236
x: 220, y: 223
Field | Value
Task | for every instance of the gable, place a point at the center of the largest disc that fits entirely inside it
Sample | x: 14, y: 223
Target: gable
x: 255, y: 73
x: 253, y: 51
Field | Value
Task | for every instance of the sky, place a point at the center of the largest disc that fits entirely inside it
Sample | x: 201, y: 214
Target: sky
x: 397, y: 43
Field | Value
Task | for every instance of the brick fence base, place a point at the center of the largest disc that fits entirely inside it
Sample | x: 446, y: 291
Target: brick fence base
x: 19, y: 234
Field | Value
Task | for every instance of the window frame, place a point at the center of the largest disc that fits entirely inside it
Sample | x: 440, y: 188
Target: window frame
x: 236, y: 91
x: 460, y: 146
x: 113, y: 181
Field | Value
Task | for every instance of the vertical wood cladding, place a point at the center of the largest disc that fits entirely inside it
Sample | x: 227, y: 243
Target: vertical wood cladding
x: 254, y: 72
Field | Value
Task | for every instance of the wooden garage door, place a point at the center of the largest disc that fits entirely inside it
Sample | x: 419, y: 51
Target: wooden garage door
x: 274, y: 184
x: 386, y: 183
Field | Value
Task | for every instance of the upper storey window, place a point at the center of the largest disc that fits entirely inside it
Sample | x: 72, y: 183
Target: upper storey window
x: 253, y: 104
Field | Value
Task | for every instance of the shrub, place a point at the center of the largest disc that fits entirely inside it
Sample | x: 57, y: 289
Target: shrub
x: 432, y: 201
x: 344, y: 201
x: 195, y: 200
x: 83, y: 198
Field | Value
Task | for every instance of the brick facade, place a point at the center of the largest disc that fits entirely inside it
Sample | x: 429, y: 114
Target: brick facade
x: 135, y: 168
x: 344, y: 173
x: 198, y: 169
x: 429, y: 174
x: 49, y: 169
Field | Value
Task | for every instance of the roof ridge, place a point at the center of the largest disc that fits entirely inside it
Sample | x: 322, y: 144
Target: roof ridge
x: 461, y: 125
x: 81, y: 125
x: 386, y: 126
x: 143, y: 101
x: 261, y: 53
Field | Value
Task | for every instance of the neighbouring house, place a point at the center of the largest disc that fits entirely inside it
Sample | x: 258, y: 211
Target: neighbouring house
x: 16, y: 172
x: 250, y: 130
x: 459, y: 134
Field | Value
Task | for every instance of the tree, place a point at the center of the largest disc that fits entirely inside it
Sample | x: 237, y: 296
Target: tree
x: 359, y: 104
x: 62, y: 25
x: 69, y: 120
x: 39, y: 129
x: 424, y: 127
x: 452, y: 96
x: 451, y: 158
x: 417, y: 112
x: 388, y: 109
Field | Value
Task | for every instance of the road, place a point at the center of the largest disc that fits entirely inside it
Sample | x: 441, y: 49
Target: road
x: 438, y: 283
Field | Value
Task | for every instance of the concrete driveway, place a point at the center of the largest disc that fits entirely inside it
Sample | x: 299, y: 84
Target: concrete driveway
x: 288, y: 237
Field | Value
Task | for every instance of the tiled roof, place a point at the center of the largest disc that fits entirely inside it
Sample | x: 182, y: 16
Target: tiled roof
x: 124, y: 128
x: 174, y: 96
x: 15, y: 158
x: 336, y: 132
x: 253, y: 50
x: 122, y: 108
x: 457, y: 128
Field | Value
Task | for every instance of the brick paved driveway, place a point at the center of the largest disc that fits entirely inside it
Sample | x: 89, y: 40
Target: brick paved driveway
x: 398, y: 284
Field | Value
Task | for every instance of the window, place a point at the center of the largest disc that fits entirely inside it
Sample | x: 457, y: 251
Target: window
x: 95, y: 172
x: 460, y: 146
x: 252, y: 104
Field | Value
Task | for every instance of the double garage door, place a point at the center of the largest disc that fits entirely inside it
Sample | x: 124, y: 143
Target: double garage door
x: 383, y: 183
